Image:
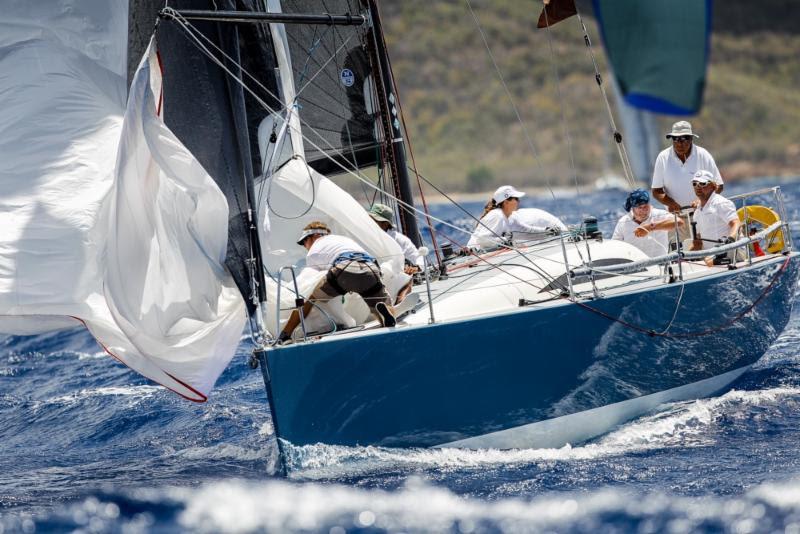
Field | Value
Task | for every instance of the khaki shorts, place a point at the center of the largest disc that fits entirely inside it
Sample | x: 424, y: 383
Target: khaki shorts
x: 363, y: 278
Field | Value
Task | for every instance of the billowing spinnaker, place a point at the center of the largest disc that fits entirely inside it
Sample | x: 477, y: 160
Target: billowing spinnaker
x: 658, y: 51
x: 176, y: 306
x: 124, y: 240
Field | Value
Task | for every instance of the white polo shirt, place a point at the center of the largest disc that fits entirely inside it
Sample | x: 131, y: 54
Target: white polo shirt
x: 675, y: 176
x: 655, y: 243
x: 410, y: 252
x: 327, y: 248
x: 713, y: 218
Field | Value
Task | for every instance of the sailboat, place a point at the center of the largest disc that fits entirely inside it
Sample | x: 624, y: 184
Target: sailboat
x: 224, y: 156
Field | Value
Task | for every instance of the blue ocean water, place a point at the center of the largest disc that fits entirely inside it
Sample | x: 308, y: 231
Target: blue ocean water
x: 87, y: 445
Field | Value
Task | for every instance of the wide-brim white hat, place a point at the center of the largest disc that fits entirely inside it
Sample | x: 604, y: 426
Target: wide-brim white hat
x: 682, y: 128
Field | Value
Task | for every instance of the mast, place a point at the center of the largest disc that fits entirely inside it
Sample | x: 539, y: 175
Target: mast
x: 392, y: 128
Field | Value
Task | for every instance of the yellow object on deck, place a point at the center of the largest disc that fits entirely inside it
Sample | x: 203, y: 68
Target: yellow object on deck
x: 764, y: 216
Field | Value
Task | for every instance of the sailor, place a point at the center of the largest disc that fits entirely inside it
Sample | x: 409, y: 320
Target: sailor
x: 349, y: 269
x: 715, y: 216
x: 495, y: 225
x: 644, y: 226
x: 675, y: 166
x: 383, y: 217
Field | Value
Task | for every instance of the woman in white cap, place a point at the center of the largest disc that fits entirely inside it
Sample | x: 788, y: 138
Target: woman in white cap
x: 495, y: 225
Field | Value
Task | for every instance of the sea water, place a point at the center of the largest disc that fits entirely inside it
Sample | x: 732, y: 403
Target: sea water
x: 89, y: 446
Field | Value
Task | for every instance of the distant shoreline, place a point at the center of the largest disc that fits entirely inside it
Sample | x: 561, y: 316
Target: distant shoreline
x: 537, y: 191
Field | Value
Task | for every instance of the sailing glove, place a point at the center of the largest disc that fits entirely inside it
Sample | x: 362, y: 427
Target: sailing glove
x: 729, y: 239
x: 552, y: 230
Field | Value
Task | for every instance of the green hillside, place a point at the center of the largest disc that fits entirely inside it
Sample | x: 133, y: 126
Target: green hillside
x: 465, y: 135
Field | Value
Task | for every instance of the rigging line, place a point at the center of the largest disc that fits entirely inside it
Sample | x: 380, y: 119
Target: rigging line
x: 510, y: 98
x: 413, y: 159
x: 616, y: 135
x: 190, y: 31
x: 545, y: 276
x: 700, y: 333
x: 184, y: 24
x: 677, y: 307
x: 341, y: 103
x: 564, y: 124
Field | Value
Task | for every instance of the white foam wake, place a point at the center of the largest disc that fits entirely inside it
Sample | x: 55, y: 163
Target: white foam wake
x: 685, y: 424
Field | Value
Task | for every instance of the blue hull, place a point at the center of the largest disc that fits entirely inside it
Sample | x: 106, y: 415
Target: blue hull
x: 438, y: 384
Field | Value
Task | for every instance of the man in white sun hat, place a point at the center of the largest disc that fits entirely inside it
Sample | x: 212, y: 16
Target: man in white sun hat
x: 676, y: 166
x: 496, y: 223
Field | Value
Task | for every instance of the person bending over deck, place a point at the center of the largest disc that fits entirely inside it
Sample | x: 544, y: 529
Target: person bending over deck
x: 495, y: 225
x: 715, y: 217
x: 644, y: 226
x: 349, y: 269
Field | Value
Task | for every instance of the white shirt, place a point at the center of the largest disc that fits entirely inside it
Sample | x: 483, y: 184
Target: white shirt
x: 495, y: 224
x: 713, y: 218
x: 410, y: 252
x: 525, y: 218
x: 676, y: 176
x: 327, y: 248
x: 654, y: 243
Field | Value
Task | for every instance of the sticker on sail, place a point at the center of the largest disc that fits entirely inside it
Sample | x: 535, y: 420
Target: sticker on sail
x: 347, y: 77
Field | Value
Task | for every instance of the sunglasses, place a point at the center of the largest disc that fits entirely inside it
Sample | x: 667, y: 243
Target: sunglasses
x: 700, y: 184
x: 681, y: 138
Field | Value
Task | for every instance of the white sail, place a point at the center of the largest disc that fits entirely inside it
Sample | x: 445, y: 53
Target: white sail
x: 107, y: 220
x: 165, y: 281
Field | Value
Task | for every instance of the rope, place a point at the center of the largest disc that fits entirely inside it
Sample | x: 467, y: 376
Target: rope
x: 560, y: 96
x: 701, y: 333
x: 510, y: 98
x: 413, y: 162
x: 615, y: 134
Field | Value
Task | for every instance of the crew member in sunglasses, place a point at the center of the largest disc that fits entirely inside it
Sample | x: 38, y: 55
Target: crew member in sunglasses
x: 675, y: 168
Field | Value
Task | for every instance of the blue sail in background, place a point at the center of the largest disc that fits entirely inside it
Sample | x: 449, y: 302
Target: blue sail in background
x: 658, y: 50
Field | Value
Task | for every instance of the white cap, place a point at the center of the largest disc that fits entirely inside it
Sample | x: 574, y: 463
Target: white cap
x: 504, y: 192
x: 703, y: 177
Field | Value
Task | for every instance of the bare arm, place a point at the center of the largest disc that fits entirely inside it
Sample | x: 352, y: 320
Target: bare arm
x: 663, y: 224
x: 664, y: 198
x: 733, y: 227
